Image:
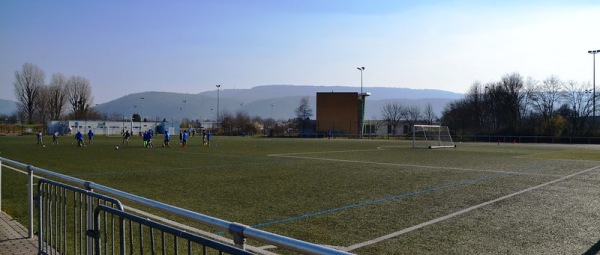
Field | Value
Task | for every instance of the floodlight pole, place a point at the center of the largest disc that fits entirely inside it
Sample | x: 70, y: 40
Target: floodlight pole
x: 218, y: 97
x: 361, y: 69
x: 362, y: 103
x: 593, y: 52
x: 141, y: 118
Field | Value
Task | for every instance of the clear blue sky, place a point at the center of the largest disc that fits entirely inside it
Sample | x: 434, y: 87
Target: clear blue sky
x: 125, y: 47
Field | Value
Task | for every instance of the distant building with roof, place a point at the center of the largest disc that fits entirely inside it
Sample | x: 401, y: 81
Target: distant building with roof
x: 342, y: 113
x: 103, y: 127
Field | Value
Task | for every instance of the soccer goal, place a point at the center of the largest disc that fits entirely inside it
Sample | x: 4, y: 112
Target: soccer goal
x: 432, y: 137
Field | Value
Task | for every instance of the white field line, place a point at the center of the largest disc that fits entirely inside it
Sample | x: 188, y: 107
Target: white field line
x: 21, y: 171
x: 431, y: 222
x: 405, y: 165
x: 317, y: 152
x: 198, y: 231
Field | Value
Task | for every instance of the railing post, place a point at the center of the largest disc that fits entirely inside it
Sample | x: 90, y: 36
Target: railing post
x: 30, y: 200
x: 96, y: 233
x: 237, y: 230
x: 89, y: 219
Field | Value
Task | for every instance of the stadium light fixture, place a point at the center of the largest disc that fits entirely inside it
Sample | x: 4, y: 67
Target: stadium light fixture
x: 593, y: 52
x: 361, y: 69
x: 362, y: 103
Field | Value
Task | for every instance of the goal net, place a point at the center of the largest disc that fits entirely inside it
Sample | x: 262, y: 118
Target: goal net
x: 432, y: 137
x: 113, y: 131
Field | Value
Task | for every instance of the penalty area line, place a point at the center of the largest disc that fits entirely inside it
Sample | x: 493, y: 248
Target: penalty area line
x: 410, y: 165
x: 433, y: 221
x: 315, y: 152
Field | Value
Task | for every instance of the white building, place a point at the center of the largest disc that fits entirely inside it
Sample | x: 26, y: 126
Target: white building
x: 101, y: 127
x: 380, y: 128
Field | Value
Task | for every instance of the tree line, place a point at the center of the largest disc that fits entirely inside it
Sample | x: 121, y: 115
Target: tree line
x: 63, y: 97
x: 242, y: 123
x: 394, y: 114
x: 71, y: 98
x: 515, y: 105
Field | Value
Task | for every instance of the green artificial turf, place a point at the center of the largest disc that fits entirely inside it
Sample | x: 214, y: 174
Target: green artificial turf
x: 343, y: 192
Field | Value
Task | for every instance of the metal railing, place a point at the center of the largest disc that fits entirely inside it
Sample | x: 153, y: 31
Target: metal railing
x: 146, y: 236
x: 65, y: 214
x: 239, y: 231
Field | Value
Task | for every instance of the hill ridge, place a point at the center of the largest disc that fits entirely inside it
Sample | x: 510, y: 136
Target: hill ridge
x: 277, y: 101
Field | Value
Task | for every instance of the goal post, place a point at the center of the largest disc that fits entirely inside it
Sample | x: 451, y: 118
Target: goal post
x: 432, y: 137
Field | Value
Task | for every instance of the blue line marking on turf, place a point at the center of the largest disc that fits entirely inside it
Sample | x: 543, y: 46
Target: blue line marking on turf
x: 412, y: 193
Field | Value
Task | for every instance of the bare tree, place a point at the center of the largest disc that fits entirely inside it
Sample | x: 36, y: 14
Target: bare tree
x: 531, y: 85
x: 243, y: 122
x: 580, y: 102
x: 429, y: 114
x: 392, y: 114
x: 303, y: 113
x: 476, y: 98
x: 511, y: 98
x: 227, y: 121
x: 41, y: 105
x: 57, y: 96
x: 547, y: 96
x: 412, y: 114
x: 27, y: 86
x: 79, y: 94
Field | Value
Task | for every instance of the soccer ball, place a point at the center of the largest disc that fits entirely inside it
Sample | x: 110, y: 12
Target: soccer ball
x: 116, y: 148
x: 44, y: 146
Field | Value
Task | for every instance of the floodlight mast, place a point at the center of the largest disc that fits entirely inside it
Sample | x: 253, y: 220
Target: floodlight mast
x: 218, y: 95
x: 362, y: 103
x: 594, y: 52
x: 361, y: 69
x: 141, y: 110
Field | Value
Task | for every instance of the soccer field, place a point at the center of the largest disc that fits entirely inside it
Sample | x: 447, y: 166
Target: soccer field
x: 363, y: 196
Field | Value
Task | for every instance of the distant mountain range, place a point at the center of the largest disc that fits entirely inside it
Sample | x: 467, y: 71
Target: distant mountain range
x: 277, y: 101
x: 7, y: 107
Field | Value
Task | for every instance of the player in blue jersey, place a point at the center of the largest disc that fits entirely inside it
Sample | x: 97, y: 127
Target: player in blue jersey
x: 90, y: 137
x: 167, y: 139
x: 184, y: 139
x: 79, y: 138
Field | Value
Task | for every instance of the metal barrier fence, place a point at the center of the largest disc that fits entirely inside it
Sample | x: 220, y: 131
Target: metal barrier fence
x: 57, y: 207
x: 65, y: 214
x: 146, y: 236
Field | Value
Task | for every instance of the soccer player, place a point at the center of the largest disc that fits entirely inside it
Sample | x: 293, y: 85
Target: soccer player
x: 145, y: 139
x: 39, y: 138
x: 126, y: 137
x: 90, y: 137
x: 150, y: 145
x: 79, y: 138
x: 208, y: 136
x: 184, y: 139
x: 167, y: 139
x: 55, y: 138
